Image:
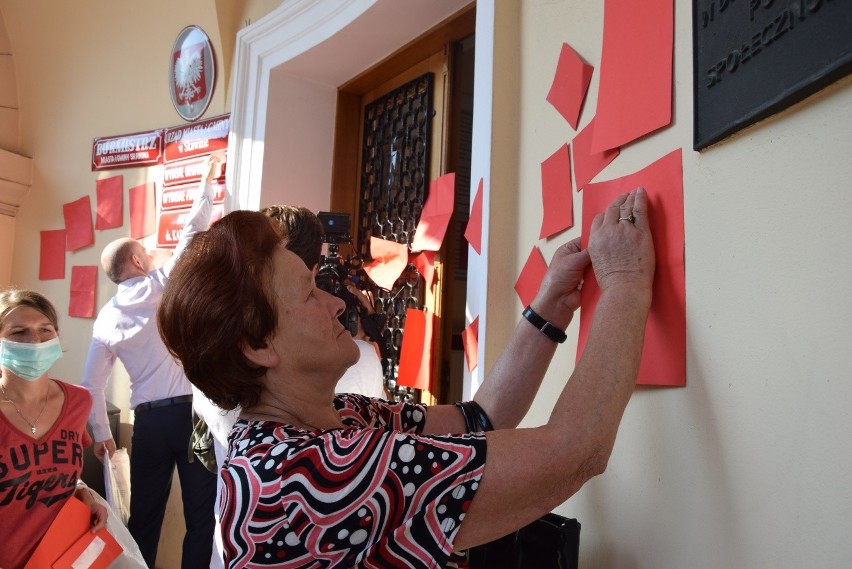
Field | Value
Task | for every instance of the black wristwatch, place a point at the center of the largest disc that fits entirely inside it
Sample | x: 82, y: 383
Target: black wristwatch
x: 545, y: 327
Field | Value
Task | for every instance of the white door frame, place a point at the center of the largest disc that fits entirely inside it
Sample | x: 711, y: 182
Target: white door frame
x: 287, y: 68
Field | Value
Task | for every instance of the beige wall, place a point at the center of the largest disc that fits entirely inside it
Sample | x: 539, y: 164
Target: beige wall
x: 7, y: 248
x: 747, y: 466
x: 86, y: 69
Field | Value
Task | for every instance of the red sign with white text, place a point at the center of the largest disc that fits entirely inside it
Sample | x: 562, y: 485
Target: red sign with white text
x: 173, y: 222
x: 188, y: 170
x: 128, y: 150
x: 180, y: 197
x: 196, y: 139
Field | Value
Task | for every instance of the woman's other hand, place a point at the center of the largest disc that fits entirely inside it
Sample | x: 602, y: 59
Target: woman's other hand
x: 559, y: 295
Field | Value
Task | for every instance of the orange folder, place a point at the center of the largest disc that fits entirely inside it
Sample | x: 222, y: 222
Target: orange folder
x: 69, y: 543
x: 93, y: 550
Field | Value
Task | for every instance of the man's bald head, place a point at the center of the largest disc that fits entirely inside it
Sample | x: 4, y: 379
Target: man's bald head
x: 118, y: 260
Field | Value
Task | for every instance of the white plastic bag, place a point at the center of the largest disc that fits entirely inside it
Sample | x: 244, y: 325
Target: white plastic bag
x: 131, y: 557
x: 117, y: 483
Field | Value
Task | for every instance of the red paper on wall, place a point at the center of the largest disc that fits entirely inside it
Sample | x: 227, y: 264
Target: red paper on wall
x: 635, y: 88
x: 82, y: 293
x: 415, y: 360
x: 588, y: 164
x: 470, y: 341
x: 110, y: 198
x: 51, y: 263
x: 531, y: 277
x: 570, y: 83
x: 556, y: 195
x: 78, y: 224
x: 143, y: 221
x: 473, y: 231
x: 389, y: 260
x: 436, y: 214
x: 664, y: 353
x: 425, y: 263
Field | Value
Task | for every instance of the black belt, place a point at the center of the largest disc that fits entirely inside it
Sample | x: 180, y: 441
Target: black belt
x: 163, y: 403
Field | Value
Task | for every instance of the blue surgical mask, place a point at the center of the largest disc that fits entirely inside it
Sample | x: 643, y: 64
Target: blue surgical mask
x: 29, y: 361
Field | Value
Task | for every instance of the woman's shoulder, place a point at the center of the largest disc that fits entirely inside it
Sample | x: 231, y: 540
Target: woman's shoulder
x: 361, y: 411
x: 73, y: 391
x: 356, y: 410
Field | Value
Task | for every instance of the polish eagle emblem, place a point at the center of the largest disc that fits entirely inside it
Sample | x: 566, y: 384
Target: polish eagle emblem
x: 189, y: 76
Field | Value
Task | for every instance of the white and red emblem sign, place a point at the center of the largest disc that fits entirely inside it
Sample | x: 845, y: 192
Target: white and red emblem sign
x: 192, y: 73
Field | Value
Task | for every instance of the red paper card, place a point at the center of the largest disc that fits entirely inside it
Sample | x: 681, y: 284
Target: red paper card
x: 435, y: 215
x: 473, y: 231
x: 664, y: 352
x: 110, y: 192
x: 142, y: 217
x: 570, y: 84
x: 588, y: 164
x: 78, y: 224
x: 389, y: 260
x: 470, y: 341
x: 82, y: 297
x: 425, y: 263
x: 635, y: 90
x: 415, y: 359
x: 556, y: 195
x: 52, y: 255
x: 531, y: 277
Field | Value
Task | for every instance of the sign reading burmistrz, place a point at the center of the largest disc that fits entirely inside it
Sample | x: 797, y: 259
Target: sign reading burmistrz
x: 128, y: 150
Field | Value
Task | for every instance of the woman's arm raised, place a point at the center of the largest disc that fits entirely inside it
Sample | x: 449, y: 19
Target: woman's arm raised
x: 530, y: 471
x: 508, y: 391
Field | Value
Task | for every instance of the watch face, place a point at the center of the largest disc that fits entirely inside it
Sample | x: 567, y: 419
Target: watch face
x: 192, y: 73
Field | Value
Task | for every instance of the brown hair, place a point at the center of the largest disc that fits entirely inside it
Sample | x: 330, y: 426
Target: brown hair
x: 13, y: 298
x: 301, y: 228
x: 217, y: 300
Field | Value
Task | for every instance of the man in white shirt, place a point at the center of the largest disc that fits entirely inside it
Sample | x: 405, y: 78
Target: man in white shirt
x: 160, y: 394
x: 365, y: 377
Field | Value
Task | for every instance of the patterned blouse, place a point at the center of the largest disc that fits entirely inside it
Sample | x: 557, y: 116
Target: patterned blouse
x: 376, y: 493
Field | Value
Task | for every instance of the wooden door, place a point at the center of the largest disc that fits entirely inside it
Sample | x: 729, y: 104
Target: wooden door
x: 394, y: 135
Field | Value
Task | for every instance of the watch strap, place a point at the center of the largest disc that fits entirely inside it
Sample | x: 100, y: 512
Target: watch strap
x: 553, y: 332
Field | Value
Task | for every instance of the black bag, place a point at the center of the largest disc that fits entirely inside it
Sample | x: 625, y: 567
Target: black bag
x: 201, y: 444
x: 550, y: 542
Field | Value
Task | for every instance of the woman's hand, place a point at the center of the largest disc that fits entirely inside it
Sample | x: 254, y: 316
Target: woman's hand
x: 104, y: 447
x: 621, y: 246
x: 99, y: 517
x: 559, y: 295
x: 99, y: 512
x: 361, y: 296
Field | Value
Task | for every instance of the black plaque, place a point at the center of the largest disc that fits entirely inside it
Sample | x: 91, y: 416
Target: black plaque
x: 753, y: 58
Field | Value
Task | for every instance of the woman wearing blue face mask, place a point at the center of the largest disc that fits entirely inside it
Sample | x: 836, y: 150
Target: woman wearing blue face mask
x: 42, y: 428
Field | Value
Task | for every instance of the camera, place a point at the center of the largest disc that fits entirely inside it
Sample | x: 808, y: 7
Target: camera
x: 335, y: 226
x: 333, y: 271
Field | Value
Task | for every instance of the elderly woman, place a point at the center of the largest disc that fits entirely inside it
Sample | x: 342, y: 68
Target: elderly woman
x: 315, y: 479
x: 42, y: 428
